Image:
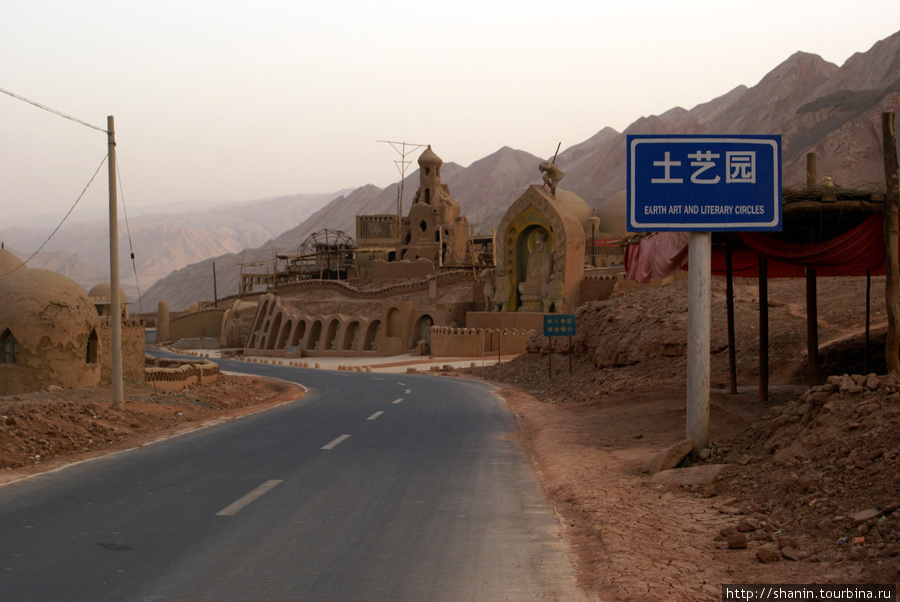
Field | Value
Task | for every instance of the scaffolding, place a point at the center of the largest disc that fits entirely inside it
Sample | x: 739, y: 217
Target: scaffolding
x: 325, y: 255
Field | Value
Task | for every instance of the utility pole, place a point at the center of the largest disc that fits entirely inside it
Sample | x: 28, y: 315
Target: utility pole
x: 115, y: 303
x: 241, y: 281
x: 275, y: 270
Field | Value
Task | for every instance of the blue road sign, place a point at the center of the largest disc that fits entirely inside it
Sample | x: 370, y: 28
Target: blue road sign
x: 559, y: 325
x: 704, y: 183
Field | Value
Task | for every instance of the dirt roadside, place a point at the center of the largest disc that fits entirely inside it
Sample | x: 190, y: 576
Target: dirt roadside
x: 46, y: 430
x: 809, y: 491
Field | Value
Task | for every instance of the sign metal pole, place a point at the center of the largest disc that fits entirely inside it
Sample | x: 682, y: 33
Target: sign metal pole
x: 702, y: 184
x: 699, y: 272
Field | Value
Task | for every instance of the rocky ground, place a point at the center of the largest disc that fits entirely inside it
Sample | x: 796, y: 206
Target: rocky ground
x: 809, y: 496
x: 810, y: 490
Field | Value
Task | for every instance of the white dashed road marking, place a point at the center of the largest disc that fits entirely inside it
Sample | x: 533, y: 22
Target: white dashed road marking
x: 233, y: 508
x: 336, y: 442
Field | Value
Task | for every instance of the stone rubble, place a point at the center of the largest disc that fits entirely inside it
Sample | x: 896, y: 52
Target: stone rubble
x: 834, y: 491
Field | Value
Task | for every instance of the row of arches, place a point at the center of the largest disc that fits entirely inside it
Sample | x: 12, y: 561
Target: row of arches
x: 295, y: 336
x: 278, y: 329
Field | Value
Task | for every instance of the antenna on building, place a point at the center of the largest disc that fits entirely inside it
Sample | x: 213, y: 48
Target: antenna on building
x: 402, y: 165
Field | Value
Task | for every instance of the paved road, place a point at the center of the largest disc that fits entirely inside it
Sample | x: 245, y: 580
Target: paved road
x: 372, y: 487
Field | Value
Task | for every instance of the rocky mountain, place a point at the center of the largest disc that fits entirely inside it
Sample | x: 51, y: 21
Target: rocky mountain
x: 68, y: 264
x: 815, y: 105
x: 163, y: 242
x: 484, y: 190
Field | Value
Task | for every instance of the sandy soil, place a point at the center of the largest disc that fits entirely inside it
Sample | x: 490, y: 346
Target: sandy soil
x: 810, y: 490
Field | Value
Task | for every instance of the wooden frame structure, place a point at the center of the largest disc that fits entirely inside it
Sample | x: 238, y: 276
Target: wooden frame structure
x: 835, y: 210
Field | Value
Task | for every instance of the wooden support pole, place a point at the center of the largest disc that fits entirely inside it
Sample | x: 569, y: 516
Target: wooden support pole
x: 892, y: 277
x: 811, y: 170
x: 729, y: 302
x: 868, y: 321
x: 812, y: 329
x: 763, y: 328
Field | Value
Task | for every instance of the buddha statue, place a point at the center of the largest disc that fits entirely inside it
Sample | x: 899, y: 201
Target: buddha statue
x: 537, y: 275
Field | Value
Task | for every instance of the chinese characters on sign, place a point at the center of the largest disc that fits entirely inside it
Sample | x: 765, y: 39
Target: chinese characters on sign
x: 704, y: 183
x: 559, y: 325
x: 740, y: 167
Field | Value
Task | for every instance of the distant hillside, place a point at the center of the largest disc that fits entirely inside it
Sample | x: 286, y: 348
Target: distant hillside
x: 162, y: 242
x: 483, y: 190
x: 814, y: 105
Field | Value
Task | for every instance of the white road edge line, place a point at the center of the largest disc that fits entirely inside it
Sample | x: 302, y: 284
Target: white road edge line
x: 336, y: 442
x: 398, y: 400
x: 233, y: 508
x: 375, y: 415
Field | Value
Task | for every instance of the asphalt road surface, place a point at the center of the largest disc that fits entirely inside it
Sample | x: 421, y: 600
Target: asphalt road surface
x: 372, y: 487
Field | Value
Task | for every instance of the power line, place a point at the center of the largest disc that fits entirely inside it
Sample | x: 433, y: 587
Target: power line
x: 54, y: 111
x: 76, y: 120
x: 75, y: 204
x: 137, y: 282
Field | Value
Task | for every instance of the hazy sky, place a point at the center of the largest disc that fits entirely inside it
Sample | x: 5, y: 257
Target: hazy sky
x: 231, y: 100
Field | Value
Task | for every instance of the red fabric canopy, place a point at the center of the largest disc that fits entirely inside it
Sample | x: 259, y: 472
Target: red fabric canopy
x: 657, y: 256
x: 853, y: 253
